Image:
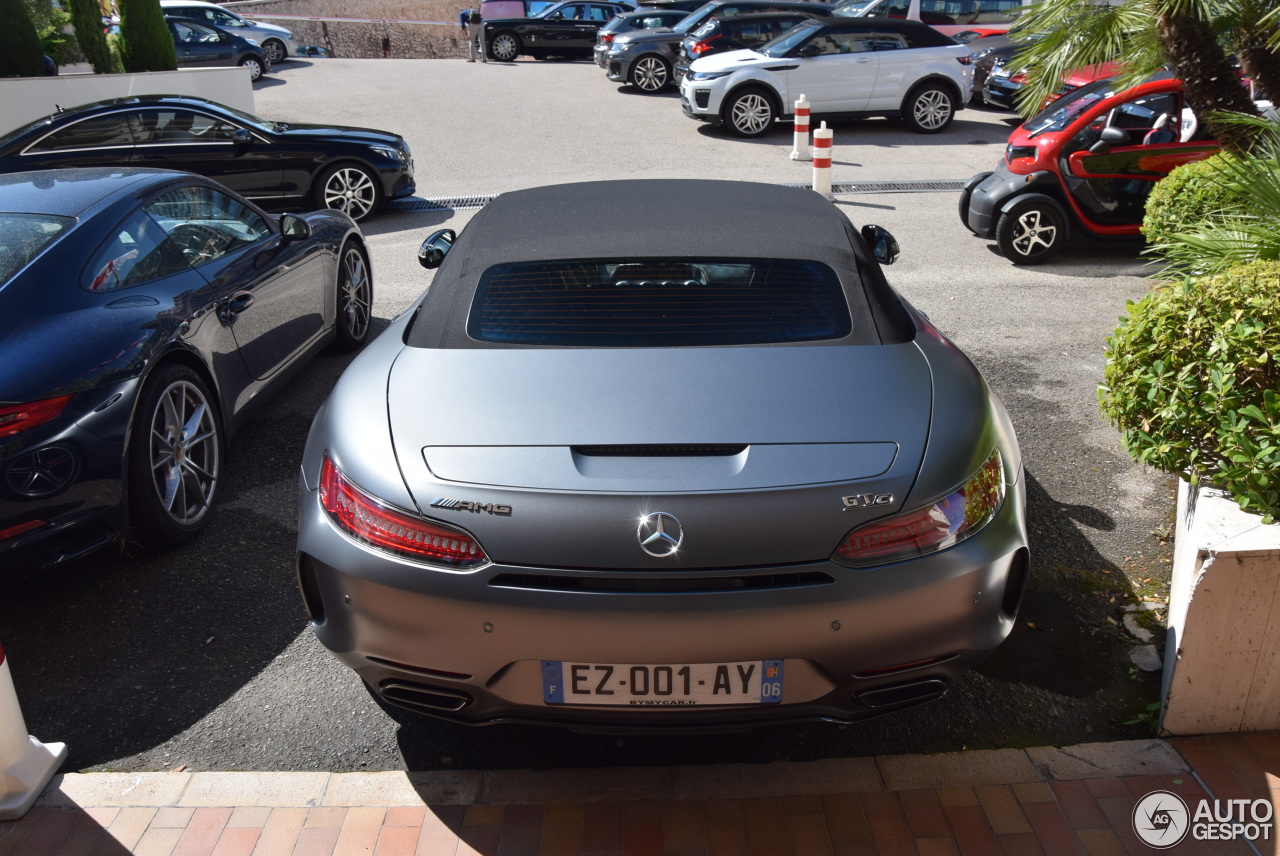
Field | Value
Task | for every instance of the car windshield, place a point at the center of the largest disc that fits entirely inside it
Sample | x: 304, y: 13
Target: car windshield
x: 788, y: 41
x: 25, y: 236
x: 658, y: 302
x: 1062, y: 112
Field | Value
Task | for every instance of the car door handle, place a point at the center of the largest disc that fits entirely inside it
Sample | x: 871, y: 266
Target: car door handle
x: 864, y: 59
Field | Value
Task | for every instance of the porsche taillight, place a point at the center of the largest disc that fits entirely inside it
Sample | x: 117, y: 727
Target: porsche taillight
x: 373, y: 522
x: 16, y: 418
x: 934, y: 527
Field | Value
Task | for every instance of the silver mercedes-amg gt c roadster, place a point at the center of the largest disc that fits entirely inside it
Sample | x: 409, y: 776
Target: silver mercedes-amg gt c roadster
x: 700, y: 467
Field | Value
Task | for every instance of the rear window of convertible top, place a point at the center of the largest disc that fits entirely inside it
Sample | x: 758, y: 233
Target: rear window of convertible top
x: 641, y: 303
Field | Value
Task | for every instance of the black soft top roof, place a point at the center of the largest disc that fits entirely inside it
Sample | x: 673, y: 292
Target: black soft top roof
x: 658, y: 218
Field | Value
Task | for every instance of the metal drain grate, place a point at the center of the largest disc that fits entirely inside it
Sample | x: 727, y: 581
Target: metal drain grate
x: 444, y: 203
x: 466, y: 203
x: 952, y: 185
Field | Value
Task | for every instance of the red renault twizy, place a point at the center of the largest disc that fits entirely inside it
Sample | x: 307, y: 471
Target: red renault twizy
x: 1084, y: 165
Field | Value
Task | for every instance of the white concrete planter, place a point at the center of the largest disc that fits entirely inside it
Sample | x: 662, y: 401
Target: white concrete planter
x: 1222, y: 654
x: 25, y: 99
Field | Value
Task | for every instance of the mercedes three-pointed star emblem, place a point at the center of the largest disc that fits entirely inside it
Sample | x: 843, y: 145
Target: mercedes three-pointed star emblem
x: 660, y: 534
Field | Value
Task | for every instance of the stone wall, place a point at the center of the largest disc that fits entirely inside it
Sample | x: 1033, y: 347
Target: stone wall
x: 408, y: 41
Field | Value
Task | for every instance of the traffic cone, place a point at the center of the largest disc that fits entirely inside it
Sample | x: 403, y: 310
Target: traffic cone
x: 26, y: 764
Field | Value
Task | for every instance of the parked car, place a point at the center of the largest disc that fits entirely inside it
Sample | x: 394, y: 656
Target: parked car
x: 142, y: 313
x: 986, y: 55
x: 946, y: 16
x: 703, y: 481
x: 646, y: 18
x: 964, y: 37
x: 198, y: 45
x: 846, y: 67
x: 278, y: 165
x: 646, y: 58
x: 277, y: 42
x: 1007, y: 77
x: 740, y: 32
x: 566, y: 29
x: 1083, y: 166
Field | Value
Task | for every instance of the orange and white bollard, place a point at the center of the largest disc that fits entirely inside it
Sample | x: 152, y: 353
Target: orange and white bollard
x: 26, y: 764
x: 822, y: 161
x: 800, y: 148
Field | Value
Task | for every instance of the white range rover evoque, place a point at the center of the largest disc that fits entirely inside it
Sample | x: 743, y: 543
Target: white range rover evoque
x: 852, y: 67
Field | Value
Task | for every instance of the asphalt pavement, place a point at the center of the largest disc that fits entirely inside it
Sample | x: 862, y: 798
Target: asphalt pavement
x: 201, y: 657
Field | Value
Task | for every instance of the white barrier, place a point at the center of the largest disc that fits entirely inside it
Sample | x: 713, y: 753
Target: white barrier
x: 822, y: 161
x: 800, y: 146
x: 26, y: 764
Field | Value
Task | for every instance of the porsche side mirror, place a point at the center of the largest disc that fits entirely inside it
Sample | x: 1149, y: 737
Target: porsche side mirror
x: 433, y: 249
x: 293, y: 227
x: 883, y: 245
x: 1109, y: 137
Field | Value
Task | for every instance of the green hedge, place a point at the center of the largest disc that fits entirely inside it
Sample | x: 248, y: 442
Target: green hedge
x: 1193, y: 384
x: 20, y: 53
x: 145, y: 41
x: 1187, y: 196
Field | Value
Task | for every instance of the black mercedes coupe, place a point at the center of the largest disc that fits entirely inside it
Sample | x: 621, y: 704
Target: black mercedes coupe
x: 278, y: 165
x: 142, y: 313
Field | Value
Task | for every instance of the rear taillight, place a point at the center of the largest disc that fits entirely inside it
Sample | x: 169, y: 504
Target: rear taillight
x: 934, y: 527
x: 377, y: 524
x: 16, y: 418
x: 1019, y: 78
x: 606, y: 38
x: 967, y: 59
x: 699, y: 48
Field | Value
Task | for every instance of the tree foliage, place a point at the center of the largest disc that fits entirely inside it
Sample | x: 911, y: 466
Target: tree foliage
x: 146, y: 44
x: 20, y: 54
x: 86, y: 15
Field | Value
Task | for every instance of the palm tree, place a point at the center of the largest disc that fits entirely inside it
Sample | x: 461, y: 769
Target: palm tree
x: 1144, y: 35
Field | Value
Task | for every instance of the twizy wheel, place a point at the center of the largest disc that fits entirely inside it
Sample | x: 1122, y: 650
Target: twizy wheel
x: 1030, y: 232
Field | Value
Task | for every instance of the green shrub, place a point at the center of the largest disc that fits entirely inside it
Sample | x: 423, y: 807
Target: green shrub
x: 1191, y: 193
x: 1192, y: 383
x: 146, y: 43
x: 87, y: 18
x: 20, y: 54
x: 117, y: 59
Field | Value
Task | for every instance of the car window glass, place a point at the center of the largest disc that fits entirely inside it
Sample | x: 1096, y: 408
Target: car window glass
x: 891, y: 9
x: 224, y: 19
x: 157, y: 127
x: 752, y: 32
x: 206, y: 223
x: 1141, y: 113
x: 844, y: 42
x: 194, y: 33
x: 884, y: 40
x: 997, y: 11
x: 650, y: 23
x: 599, y: 13
x: 23, y: 236
x: 100, y: 131
x: 138, y: 251
x: 948, y: 11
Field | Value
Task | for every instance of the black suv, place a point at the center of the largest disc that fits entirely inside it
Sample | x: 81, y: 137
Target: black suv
x: 736, y: 33
x: 645, y: 58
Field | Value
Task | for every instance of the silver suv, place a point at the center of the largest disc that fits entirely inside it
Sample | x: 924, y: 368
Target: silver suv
x: 276, y: 42
x: 645, y: 58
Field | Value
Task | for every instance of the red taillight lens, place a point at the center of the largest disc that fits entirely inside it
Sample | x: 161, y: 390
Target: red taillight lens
x: 16, y: 418
x: 374, y: 523
x: 699, y: 48
x: 606, y: 38
x: 935, y: 527
x: 1019, y: 78
x: 967, y: 59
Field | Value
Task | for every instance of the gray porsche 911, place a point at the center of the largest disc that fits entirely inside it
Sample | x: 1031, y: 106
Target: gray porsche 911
x: 680, y: 472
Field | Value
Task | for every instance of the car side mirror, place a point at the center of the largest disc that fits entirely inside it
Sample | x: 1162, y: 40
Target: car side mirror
x: 883, y: 245
x: 809, y: 50
x: 293, y: 227
x: 434, y: 248
x: 1109, y: 137
x: 241, y: 136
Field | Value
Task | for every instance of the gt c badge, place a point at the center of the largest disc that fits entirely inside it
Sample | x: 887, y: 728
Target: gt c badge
x: 867, y: 500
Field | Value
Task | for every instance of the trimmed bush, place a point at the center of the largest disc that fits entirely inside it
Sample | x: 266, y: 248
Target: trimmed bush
x: 86, y: 16
x: 1191, y: 193
x: 146, y: 43
x: 20, y: 54
x: 1193, y: 384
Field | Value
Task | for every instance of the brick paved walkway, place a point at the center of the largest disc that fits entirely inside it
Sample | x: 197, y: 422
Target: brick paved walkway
x: 1075, y: 800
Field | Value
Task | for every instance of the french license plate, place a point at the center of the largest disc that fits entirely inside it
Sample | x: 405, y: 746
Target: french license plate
x: 675, y: 685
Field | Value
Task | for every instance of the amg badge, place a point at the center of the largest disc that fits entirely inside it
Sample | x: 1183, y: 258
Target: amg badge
x: 464, y: 505
x: 866, y: 500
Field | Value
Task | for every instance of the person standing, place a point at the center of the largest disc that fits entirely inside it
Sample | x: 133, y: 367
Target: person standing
x: 474, y: 26
x: 386, y: 45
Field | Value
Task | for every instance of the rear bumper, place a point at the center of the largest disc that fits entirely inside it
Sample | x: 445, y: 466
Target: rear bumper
x: 469, y: 646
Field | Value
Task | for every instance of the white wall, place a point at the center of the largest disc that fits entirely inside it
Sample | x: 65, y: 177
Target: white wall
x: 26, y: 99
